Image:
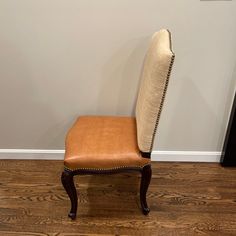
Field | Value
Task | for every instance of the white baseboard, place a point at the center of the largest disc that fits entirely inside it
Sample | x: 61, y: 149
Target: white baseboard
x: 175, y: 156
x: 186, y: 156
x: 31, y: 154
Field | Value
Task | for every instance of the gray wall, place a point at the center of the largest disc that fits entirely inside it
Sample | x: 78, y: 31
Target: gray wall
x: 63, y: 58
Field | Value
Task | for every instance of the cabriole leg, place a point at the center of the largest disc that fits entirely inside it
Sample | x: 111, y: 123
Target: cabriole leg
x: 145, y: 181
x: 68, y: 183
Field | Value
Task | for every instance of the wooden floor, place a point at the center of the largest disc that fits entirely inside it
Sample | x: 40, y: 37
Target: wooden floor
x: 185, y: 199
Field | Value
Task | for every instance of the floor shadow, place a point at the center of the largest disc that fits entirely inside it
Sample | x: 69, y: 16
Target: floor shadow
x: 109, y: 195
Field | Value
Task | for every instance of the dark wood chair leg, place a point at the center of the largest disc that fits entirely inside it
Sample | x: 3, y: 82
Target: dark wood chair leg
x: 145, y: 181
x: 68, y: 183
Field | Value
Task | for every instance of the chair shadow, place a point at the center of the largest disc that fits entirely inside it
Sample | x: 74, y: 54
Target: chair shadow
x: 120, y: 79
x: 109, y: 195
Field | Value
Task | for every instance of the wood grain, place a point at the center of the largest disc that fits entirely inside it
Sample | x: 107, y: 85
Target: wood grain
x: 185, y: 199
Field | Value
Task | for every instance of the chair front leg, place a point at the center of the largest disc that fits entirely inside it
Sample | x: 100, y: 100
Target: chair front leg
x: 68, y: 183
x: 145, y: 181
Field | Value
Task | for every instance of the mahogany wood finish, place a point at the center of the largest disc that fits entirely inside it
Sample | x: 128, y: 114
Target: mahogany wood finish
x: 145, y: 154
x: 67, y: 179
x: 68, y: 183
x: 185, y: 199
x: 145, y: 181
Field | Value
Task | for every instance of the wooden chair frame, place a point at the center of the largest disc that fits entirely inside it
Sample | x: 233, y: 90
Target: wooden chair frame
x: 146, y: 171
x: 67, y: 179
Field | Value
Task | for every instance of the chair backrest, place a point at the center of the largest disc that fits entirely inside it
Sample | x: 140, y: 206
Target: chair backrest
x: 155, y: 76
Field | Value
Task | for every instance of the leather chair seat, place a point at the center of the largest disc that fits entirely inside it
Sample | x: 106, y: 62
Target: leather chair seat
x: 103, y: 142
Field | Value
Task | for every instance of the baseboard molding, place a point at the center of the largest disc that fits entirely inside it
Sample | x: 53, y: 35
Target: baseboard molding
x: 186, y: 156
x: 175, y: 156
x: 31, y: 154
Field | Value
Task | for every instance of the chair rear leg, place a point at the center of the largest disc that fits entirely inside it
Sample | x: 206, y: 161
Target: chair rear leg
x: 145, y: 181
x: 68, y: 183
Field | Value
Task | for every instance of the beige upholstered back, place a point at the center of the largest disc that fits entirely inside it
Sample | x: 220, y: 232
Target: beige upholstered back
x: 154, y: 81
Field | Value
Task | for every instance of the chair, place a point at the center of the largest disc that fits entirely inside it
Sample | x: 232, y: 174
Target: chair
x: 110, y: 144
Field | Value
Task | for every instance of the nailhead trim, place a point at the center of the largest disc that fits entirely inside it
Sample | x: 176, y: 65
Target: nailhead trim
x: 106, y: 169
x: 162, y: 100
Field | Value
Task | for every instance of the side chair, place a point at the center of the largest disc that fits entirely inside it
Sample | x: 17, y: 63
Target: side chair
x: 112, y: 144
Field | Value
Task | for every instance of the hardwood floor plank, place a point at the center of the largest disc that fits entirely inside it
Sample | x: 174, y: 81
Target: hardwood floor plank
x: 185, y: 199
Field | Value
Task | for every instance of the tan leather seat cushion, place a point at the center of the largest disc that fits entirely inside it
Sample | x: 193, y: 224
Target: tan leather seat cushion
x: 103, y: 142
